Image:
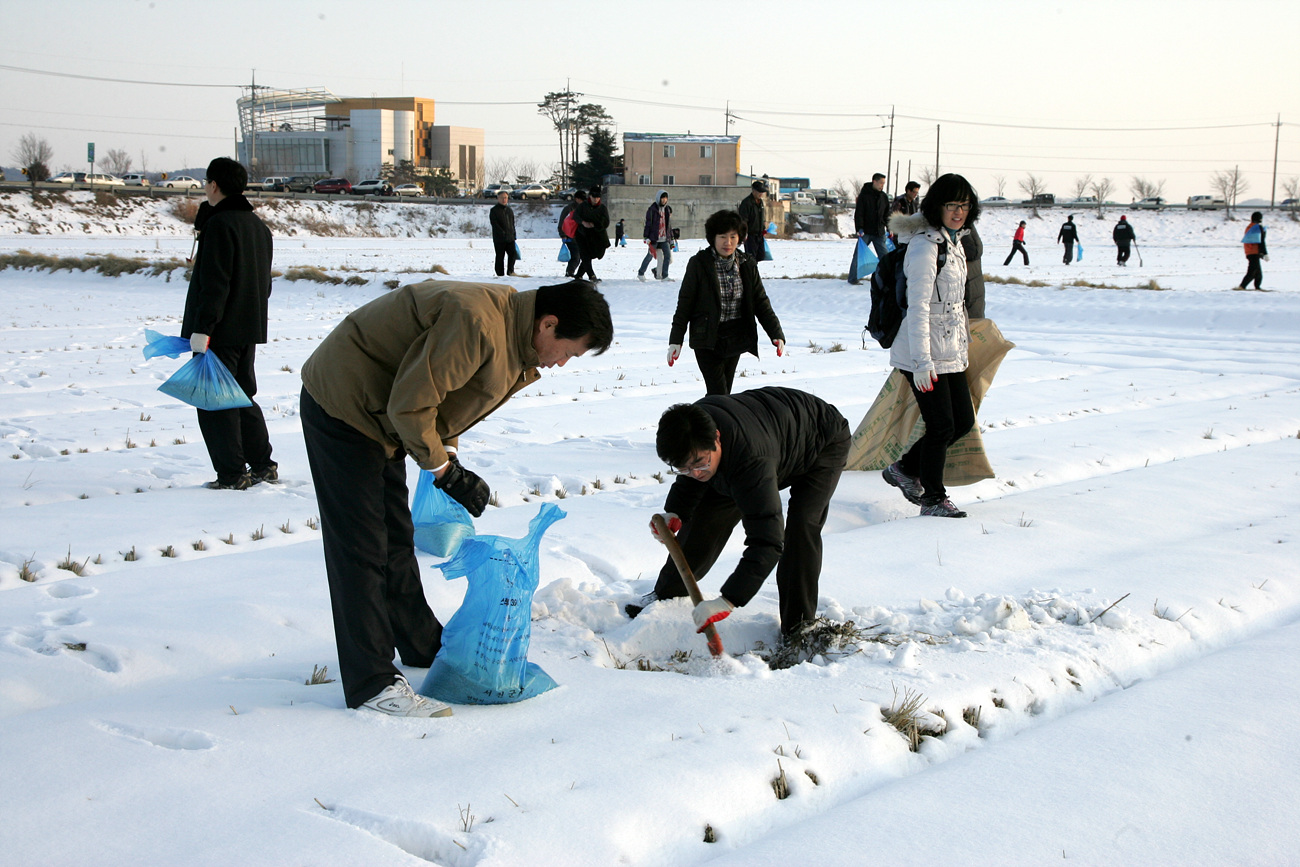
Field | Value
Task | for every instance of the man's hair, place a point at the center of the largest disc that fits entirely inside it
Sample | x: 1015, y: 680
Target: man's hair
x: 1257, y: 217
x: 912, y: 185
x: 877, y: 176
x: 685, y: 429
x: 949, y: 188
x: 580, y: 196
x: 583, y: 313
x: 722, y: 222
x: 595, y: 191
x: 231, y: 177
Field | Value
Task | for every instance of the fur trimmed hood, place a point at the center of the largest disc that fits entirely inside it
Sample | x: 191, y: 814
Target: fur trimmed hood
x: 906, y: 226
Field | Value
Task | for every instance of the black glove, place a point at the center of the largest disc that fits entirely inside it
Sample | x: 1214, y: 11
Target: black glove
x: 465, y: 487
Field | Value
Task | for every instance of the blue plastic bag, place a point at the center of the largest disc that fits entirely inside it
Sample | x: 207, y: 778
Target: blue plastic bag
x: 1078, y: 255
x: 864, y: 261
x: 890, y: 246
x: 203, y: 381
x: 518, y: 253
x: 767, y: 252
x: 441, y: 523
x: 484, y: 655
x: 565, y: 255
x: 771, y: 228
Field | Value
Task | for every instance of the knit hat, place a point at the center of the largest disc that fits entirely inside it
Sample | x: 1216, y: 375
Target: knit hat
x: 758, y: 185
x: 1122, y: 218
x: 595, y: 191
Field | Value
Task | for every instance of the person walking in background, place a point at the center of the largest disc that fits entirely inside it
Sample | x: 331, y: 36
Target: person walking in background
x: 1256, y: 249
x: 502, y: 219
x: 658, y: 235
x: 871, y: 215
x: 1124, y: 238
x: 1068, y: 235
x: 567, y: 226
x: 593, y: 232
x: 720, y: 297
x: 1018, y: 245
x: 619, y: 239
x: 734, y: 454
x: 225, y: 313
x: 753, y: 211
x: 407, y: 374
x: 973, y: 246
x: 909, y: 201
x: 932, y: 343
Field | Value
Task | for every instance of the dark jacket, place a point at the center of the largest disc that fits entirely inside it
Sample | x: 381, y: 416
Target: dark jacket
x: 699, y: 304
x: 1123, y: 234
x: 1069, y: 233
x: 231, y: 282
x: 754, y: 215
x: 902, y: 206
x: 651, y: 230
x: 559, y: 224
x: 872, y: 212
x: 973, y: 246
x: 769, y: 438
x: 593, y: 240
x: 503, y: 224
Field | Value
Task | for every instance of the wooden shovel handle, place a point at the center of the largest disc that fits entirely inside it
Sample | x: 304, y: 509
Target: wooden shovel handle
x: 688, y: 578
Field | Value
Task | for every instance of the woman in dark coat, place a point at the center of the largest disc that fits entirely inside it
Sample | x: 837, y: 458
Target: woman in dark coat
x: 721, y: 297
x: 593, y: 232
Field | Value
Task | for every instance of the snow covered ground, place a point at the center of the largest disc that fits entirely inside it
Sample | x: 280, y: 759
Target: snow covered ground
x: 155, y: 710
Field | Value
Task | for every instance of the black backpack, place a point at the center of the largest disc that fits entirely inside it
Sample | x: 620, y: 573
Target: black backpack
x: 889, y: 294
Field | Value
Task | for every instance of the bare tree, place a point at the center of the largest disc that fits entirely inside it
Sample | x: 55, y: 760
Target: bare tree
x: 144, y: 162
x: 1081, y: 185
x: 497, y: 169
x: 1033, y: 186
x: 847, y: 189
x: 1229, y: 184
x: 1143, y: 188
x: 1000, y: 184
x: 1102, y: 188
x: 927, y: 176
x: 34, y: 154
x: 528, y: 170
x: 1291, y: 186
x: 117, y: 161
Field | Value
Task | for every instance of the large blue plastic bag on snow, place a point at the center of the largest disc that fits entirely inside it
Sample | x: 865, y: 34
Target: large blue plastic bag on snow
x: 203, y: 381
x: 864, y: 260
x: 484, y: 655
x: 767, y: 251
x: 565, y: 255
x: 441, y: 523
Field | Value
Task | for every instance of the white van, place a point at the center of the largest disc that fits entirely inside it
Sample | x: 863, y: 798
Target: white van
x: 1204, y: 203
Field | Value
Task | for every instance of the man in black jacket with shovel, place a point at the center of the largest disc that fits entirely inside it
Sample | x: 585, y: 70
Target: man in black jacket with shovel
x: 733, y: 455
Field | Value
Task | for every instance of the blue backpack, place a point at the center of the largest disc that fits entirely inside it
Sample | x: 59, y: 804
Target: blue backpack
x: 889, y: 294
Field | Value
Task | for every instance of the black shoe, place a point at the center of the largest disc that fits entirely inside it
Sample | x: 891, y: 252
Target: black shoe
x: 241, y: 483
x: 632, y: 609
x: 268, y: 473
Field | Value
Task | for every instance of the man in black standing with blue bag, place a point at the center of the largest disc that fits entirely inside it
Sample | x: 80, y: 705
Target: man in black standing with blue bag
x: 225, y: 313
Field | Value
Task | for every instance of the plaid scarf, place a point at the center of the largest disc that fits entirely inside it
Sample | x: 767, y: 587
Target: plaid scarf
x: 729, y: 284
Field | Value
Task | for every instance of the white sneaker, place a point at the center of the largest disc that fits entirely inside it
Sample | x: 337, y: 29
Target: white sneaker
x: 641, y: 277
x: 400, y: 700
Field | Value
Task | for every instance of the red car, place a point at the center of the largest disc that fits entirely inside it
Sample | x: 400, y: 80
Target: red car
x: 332, y: 185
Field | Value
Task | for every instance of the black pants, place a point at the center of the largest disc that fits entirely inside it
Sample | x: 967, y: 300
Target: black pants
x: 1069, y: 252
x: 1253, y: 270
x: 718, y: 370
x: 575, y: 257
x: 504, y: 249
x: 584, y: 265
x: 705, y: 533
x: 1017, y: 247
x: 948, y: 416
x: 1122, y: 254
x: 237, y: 438
x: 754, y: 245
x: 374, y: 578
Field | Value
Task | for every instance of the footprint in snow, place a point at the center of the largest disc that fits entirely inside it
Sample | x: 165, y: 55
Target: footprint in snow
x: 167, y: 738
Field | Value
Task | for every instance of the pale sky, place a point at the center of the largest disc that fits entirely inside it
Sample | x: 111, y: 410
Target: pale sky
x: 1169, y: 90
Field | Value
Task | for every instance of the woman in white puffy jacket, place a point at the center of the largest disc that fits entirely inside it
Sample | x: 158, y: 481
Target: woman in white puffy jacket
x: 931, y: 345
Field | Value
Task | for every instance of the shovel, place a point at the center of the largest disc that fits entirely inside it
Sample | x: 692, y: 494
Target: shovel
x: 688, y: 578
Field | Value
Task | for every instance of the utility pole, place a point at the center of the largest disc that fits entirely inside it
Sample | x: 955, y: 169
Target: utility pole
x: 1272, y: 196
x: 936, y: 151
x: 890, y: 156
x: 252, y: 126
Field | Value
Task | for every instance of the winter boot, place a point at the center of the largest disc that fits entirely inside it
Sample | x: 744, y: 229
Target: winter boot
x: 941, y: 509
x: 909, y: 485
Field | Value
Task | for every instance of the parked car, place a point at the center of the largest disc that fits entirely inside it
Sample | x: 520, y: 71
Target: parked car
x: 1149, y: 203
x: 995, y: 201
x: 372, y: 187
x: 531, y: 191
x: 300, y: 184
x: 826, y: 198
x: 1290, y: 203
x: 275, y: 184
x: 408, y: 190
x: 491, y: 190
x: 68, y: 178
x: 565, y: 195
x: 1041, y: 199
x: 1204, y: 203
x: 1086, y: 200
x: 100, y: 179
x: 182, y: 182
x: 332, y: 185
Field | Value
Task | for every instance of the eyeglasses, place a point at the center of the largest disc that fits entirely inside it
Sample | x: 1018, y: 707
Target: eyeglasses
x: 695, y: 466
x: 956, y: 207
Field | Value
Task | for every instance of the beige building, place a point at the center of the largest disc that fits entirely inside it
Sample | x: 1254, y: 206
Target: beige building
x: 666, y: 160
x: 460, y: 150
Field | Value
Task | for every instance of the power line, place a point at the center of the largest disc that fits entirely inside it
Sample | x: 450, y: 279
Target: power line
x: 118, y: 131
x: 113, y: 80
